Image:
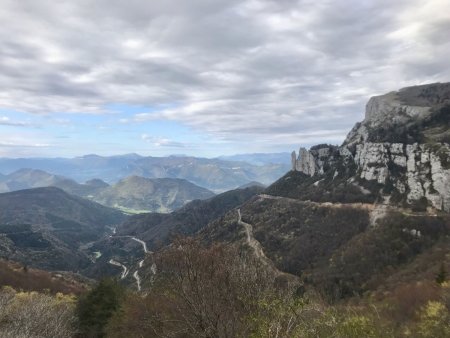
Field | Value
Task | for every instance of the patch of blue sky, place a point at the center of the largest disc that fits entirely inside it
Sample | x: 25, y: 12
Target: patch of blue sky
x: 11, y: 112
x: 11, y: 120
x: 104, y: 134
x: 158, y: 128
x: 77, y: 134
x: 15, y: 115
x: 164, y: 128
x: 129, y: 110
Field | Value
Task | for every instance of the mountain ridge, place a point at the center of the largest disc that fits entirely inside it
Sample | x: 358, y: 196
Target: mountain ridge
x: 213, y: 174
x: 155, y: 195
x: 131, y: 194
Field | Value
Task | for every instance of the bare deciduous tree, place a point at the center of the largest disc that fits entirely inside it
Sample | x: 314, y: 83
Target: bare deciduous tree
x: 32, y: 314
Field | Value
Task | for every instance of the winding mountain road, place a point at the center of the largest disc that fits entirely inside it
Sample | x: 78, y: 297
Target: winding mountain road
x: 144, y: 245
x: 251, y: 241
x: 376, y: 210
x: 257, y: 247
x: 138, y: 280
x: 125, y: 269
x: 140, y: 264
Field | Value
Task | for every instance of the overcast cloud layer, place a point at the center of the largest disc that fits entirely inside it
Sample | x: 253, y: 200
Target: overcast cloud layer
x: 279, y: 73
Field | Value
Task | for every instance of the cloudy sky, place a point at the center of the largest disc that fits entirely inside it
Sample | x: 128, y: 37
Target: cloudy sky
x: 205, y: 77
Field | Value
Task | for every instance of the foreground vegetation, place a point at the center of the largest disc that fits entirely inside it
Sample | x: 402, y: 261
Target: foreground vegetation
x: 34, y: 314
x: 223, y: 291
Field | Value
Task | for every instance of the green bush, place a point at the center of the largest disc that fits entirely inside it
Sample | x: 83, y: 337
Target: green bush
x: 95, y: 308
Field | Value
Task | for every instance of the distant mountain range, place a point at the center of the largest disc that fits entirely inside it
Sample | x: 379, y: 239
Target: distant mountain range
x: 214, y: 174
x: 132, y: 194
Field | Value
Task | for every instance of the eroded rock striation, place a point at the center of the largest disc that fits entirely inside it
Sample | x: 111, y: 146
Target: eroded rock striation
x: 403, y: 145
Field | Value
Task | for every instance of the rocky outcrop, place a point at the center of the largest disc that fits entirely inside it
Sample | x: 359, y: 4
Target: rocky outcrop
x: 428, y: 174
x: 390, y: 107
x: 416, y: 169
x: 305, y: 162
x: 411, y: 104
x: 314, y: 160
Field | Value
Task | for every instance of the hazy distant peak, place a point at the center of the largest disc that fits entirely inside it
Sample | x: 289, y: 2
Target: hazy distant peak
x: 151, y: 194
x: 96, y: 182
x: 24, y: 171
x: 252, y: 184
x: 88, y: 156
x: 130, y: 156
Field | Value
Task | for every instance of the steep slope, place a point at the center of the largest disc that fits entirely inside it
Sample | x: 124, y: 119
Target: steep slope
x: 400, y: 153
x: 294, y: 234
x: 411, y: 115
x: 347, y: 219
x: 44, y: 227
x: 334, y: 247
x: 24, y: 278
x: 151, y: 195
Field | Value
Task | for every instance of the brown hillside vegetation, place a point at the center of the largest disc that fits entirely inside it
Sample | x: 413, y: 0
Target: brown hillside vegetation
x: 219, y: 291
x: 28, y: 279
x: 37, y: 303
x: 336, y: 248
x: 33, y: 314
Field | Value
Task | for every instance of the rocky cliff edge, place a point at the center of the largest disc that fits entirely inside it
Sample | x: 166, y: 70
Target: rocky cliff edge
x: 402, y: 145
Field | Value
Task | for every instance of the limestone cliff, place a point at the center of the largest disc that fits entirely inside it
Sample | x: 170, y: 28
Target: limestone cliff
x: 402, y: 145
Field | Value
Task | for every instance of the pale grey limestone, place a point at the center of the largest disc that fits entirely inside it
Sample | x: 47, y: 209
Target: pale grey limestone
x: 416, y: 170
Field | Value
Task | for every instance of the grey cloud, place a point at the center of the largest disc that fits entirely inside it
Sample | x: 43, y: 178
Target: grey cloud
x: 264, y: 70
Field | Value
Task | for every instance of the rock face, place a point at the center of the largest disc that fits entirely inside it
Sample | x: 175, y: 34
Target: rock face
x: 382, y: 110
x: 306, y: 162
x: 413, y: 170
x: 416, y: 170
x: 411, y: 105
x: 315, y: 160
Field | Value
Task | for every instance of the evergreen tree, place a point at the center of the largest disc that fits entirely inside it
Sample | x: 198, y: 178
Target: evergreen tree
x: 96, y: 307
